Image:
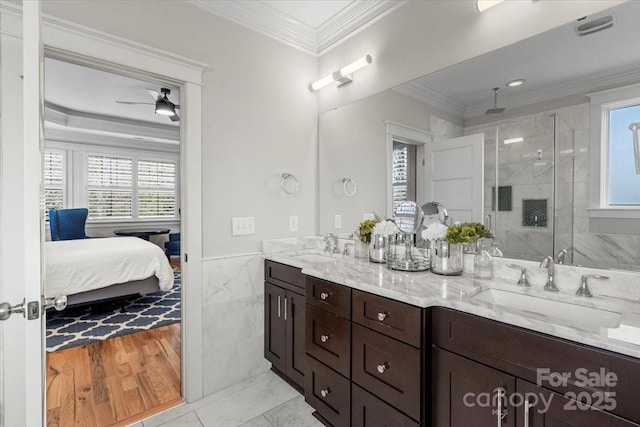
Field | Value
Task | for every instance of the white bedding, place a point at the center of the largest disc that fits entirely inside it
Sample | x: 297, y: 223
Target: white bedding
x: 74, y: 266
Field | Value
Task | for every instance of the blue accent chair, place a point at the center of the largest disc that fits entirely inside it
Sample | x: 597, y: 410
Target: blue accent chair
x: 172, y: 247
x: 68, y: 224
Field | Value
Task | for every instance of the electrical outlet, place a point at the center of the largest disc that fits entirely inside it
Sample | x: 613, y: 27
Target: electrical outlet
x: 337, y: 221
x: 293, y: 223
x: 241, y: 226
x: 368, y: 216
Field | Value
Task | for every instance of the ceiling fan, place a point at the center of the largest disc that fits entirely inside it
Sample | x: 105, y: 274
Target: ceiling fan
x: 163, y: 105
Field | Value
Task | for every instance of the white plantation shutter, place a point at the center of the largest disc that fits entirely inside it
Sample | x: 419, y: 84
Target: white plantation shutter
x: 109, y: 187
x: 156, y: 188
x: 54, y: 172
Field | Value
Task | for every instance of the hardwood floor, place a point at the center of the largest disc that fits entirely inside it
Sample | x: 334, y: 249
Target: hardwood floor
x: 116, y: 381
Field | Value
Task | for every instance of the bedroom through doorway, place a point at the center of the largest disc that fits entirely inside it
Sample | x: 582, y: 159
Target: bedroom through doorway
x: 111, y: 174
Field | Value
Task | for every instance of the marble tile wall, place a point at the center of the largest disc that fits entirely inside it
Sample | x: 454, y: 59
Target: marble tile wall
x: 233, y: 321
x: 529, y: 172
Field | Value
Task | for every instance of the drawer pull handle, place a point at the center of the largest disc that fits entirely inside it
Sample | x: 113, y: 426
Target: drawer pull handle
x: 324, y: 295
x: 325, y: 392
x: 382, y: 316
x: 324, y: 338
x: 383, y: 367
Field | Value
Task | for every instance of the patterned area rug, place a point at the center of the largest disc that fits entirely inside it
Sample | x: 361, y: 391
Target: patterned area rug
x: 84, y: 325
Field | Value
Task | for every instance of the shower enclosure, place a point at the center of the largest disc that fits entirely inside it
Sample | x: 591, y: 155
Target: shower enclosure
x: 529, y: 186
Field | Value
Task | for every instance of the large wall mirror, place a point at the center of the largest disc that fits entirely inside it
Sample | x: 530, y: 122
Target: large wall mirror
x: 541, y: 141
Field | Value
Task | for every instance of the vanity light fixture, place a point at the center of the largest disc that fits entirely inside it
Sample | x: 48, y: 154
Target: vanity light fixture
x: 513, y: 140
x: 483, y: 5
x: 516, y: 82
x: 344, y: 75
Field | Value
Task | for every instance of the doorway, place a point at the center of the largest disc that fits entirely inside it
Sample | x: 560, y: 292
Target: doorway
x: 114, y: 356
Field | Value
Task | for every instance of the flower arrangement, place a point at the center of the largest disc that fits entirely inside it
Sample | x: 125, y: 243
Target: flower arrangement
x: 435, y: 231
x: 365, y: 229
x: 468, y: 232
x: 386, y: 228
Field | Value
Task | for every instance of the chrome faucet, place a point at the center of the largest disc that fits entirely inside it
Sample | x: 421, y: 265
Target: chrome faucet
x: 331, y: 244
x: 522, y: 281
x: 560, y: 258
x: 551, y: 280
x: 345, y: 251
x: 583, y: 290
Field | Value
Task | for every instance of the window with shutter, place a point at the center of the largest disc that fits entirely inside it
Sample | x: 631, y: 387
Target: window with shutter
x: 156, y: 189
x: 109, y: 187
x: 54, y: 182
x: 403, y: 173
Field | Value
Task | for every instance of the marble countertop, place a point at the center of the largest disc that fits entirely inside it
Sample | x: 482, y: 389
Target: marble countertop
x: 426, y: 289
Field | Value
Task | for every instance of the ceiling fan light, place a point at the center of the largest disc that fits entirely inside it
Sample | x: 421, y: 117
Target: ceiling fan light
x: 165, y: 108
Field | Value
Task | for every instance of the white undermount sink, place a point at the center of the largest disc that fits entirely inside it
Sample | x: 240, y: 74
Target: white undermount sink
x: 581, y: 315
x: 314, y: 258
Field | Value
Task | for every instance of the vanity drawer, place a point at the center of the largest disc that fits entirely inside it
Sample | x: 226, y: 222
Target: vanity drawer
x: 393, y: 318
x: 284, y: 276
x: 387, y: 368
x: 329, y: 296
x: 369, y: 411
x: 521, y: 353
x: 328, y: 392
x: 328, y: 338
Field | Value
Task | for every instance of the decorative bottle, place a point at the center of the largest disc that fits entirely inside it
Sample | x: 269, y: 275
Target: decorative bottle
x: 482, y: 264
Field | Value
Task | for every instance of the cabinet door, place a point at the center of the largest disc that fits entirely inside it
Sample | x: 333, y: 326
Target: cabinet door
x: 295, y: 337
x: 466, y: 393
x: 539, y: 407
x: 274, y: 326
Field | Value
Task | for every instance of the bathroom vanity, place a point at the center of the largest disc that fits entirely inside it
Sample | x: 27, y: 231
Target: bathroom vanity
x: 384, y: 348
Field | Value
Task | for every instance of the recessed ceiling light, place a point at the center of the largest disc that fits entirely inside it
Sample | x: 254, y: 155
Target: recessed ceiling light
x: 516, y: 82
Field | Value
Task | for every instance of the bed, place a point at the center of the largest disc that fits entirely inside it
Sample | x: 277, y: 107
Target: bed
x: 88, y: 270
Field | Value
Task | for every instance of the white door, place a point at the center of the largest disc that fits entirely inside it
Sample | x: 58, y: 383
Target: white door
x: 21, y: 345
x: 454, y: 174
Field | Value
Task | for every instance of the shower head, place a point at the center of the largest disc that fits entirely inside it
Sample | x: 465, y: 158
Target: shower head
x: 495, y: 109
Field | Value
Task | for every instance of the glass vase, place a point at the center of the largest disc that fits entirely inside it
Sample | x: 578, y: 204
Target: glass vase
x: 447, y: 258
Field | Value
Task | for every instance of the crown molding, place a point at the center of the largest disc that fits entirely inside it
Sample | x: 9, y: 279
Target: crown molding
x: 269, y: 21
x: 431, y: 97
x: 353, y: 19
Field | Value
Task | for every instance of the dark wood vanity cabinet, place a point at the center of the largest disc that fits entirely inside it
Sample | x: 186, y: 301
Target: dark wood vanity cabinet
x: 365, y: 358
x: 474, y: 358
x: 328, y: 346
x: 284, y: 343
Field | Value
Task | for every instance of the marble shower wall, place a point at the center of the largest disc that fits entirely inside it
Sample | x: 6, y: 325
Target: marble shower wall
x: 233, y: 321
x: 529, y: 172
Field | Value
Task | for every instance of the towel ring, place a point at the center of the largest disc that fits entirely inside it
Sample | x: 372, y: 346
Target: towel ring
x: 288, y: 189
x: 345, y: 182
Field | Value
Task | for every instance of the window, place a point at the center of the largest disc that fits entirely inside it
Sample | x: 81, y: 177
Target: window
x: 54, y: 182
x: 115, y: 184
x: 624, y: 180
x: 109, y: 187
x: 614, y: 182
x: 156, y: 189
x: 403, y: 175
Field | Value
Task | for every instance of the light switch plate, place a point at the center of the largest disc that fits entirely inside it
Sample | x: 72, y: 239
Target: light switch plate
x: 337, y: 221
x: 368, y: 216
x: 244, y: 225
x: 293, y: 223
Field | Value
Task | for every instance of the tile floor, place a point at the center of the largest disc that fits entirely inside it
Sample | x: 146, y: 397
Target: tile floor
x: 263, y: 401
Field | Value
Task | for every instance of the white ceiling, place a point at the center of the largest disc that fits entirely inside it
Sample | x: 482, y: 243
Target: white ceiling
x: 95, y: 92
x: 555, y: 64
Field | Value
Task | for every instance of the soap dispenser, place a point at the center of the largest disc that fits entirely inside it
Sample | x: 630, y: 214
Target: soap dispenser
x: 482, y: 264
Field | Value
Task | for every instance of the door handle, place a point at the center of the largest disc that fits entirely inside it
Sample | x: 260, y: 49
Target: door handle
x: 59, y: 303
x: 6, y: 309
